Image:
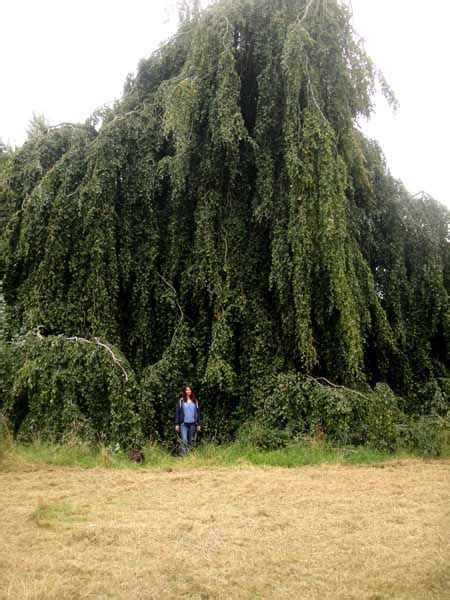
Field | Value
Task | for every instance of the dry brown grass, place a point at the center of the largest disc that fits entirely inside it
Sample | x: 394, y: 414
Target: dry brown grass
x: 314, y: 532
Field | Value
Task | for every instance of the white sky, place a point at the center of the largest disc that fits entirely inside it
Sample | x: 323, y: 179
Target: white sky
x: 64, y: 58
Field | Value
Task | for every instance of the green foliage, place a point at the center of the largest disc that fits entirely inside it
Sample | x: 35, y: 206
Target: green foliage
x: 38, y: 126
x: 6, y: 200
x: 65, y: 386
x: 262, y: 436
x: 291, y: 404
x: 5, y: 155
x: 228, y: 224
x: 431, y: 398
x: 54, y: 513
x: 162, y: 382
x: 6, y: 440
x: 427, y: 435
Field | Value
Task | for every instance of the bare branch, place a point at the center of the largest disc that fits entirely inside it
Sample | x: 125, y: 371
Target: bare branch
x: 169, y: 346
x: 226, y: 32
x: 75, y: 338
x: 66, y: 124
x: 174, y: 291
x: 305, y: 14
x: 78, y: 339
x: 114, y: 357
x: 334, y: 385
x: 311, y: 89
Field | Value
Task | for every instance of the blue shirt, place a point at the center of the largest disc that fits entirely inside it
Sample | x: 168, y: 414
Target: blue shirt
x: 189, y: 412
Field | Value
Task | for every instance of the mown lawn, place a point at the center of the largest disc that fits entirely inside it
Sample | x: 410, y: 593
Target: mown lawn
x: 180, y: 530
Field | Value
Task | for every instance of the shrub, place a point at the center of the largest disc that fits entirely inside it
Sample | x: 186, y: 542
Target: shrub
x: 432, y: 397
x: 291, y: 403
x: 426, y: 435
x: 69, y: 386
x: 260, y: 435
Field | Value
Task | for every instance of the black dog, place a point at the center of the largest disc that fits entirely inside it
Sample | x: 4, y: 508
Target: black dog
x: 136, y: 456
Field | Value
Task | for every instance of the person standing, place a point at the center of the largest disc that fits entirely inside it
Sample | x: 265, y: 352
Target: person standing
x: 187, y: 418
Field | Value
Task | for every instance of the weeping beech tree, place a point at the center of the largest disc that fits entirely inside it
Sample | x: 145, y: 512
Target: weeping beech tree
x: 229, y: 222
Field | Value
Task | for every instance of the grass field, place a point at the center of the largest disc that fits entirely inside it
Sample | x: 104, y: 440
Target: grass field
x: 377, y: 531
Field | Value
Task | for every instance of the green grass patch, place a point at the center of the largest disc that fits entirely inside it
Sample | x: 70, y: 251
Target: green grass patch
x: 51, y: 514
x: 307, y: 452
x: 73, y: 454
x: 294, y: 455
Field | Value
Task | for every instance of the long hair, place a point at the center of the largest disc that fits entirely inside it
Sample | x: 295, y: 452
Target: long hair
x: 193, y: 396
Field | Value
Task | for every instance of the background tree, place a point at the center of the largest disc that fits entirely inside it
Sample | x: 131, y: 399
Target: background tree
x: 230, y: 223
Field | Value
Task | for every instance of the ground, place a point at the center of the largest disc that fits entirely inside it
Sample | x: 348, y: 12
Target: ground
x: 363, y: 532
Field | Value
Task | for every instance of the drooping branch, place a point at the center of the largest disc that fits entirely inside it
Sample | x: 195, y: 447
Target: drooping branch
x: 334, y: 385
x: 305, y: 14
x: 175, y: 294
x: 311, y: 89
x: 96, y: 341
x: 226, y: 32
x: 114, y: 357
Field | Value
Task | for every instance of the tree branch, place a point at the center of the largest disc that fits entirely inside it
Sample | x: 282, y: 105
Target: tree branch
x: 174, y: 291
x: 226, y: 32
x: 312, y: 90
x: 114, y: 357
x: 75, y: 338
x: 305, y: 14
x: 334, y: 385
x: 66, y: 124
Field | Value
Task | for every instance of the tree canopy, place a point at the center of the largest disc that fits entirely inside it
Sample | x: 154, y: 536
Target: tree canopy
x: 229, y: 221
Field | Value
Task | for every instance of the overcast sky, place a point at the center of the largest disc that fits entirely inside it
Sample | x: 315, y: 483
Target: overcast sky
x: 64, y: 58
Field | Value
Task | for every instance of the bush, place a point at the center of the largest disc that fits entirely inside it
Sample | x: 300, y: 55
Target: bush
x: 290, y: 403
x: 262, y: 436
x: 72, y: 387
x: 352, y: 417
x: 432, y: 397
x: 426, y: 435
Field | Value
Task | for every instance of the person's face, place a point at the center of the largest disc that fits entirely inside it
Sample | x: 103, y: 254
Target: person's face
x: 188, y: 391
